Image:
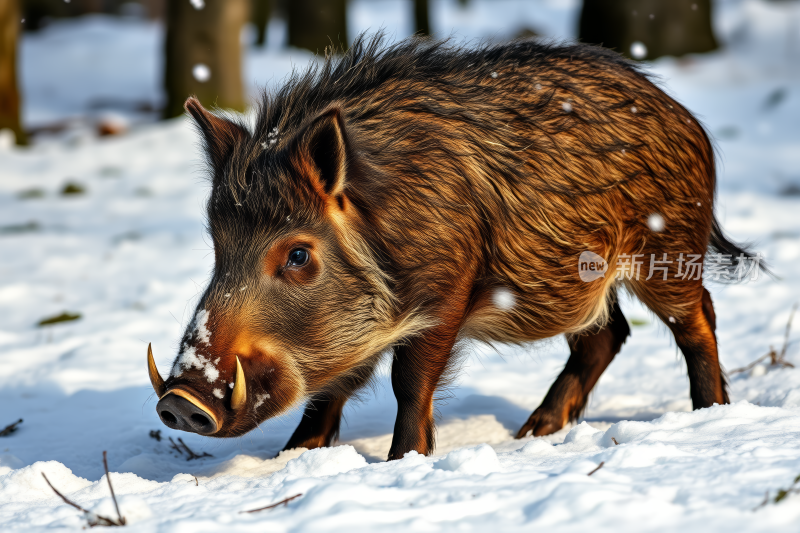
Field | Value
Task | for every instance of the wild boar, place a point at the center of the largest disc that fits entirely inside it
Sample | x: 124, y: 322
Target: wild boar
x: 400, y: 198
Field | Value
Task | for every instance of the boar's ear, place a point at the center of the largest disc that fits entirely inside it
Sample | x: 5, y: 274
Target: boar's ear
x: 323, y: 144
x: 220, y: 134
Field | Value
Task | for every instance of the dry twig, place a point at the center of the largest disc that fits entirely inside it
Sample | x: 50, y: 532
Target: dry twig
x: 782, y: 493
x: 155, y: 434
x: 181, y: 446
x: 11, y: 428
x: 614, y: 441
x: 762, y: 504
x: 175, y: 446
x: 282, y: 502
x: 596, y: 469
x: 776, y: 359
x: 192, y: 455
x: 91, y: 518
x: 113, y: 496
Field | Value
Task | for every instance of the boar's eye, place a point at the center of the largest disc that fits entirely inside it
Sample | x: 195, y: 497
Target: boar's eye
x: 298, y: 257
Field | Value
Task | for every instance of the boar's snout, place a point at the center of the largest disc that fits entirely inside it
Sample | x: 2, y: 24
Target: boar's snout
x: 179, y: 413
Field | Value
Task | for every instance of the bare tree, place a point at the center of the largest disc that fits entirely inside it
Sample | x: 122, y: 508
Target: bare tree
x: 261, y: 12
x: 204, y: 54
x: 422, y: 24
x: 315, y: 24
x: 10, y: 19
x: 674, y: 27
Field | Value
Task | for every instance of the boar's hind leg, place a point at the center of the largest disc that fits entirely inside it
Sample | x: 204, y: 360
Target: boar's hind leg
x: 319, y: 426
x: 694, y: 332
x: 590, y: 354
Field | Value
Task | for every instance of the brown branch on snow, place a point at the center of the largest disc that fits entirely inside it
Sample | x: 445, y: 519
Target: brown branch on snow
x: 782, y: 493
x: 66, y: 500
x: 11, y: 428
x: 175, y: 446
x: 614, y: 441
x: 596, y: 469
x: 192, y: 455
x: 113, y: 496
x: 181, y: 447
x: 91, y: 518
x: 282, y: 502
x: 776, y: 359
x: 762, y: 504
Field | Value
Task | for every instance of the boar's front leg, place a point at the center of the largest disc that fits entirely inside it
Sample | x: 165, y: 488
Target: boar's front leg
x: 416, y: 371
x: 319, y: 426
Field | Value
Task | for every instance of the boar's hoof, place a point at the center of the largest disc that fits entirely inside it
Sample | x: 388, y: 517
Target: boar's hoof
x: 179, y: 413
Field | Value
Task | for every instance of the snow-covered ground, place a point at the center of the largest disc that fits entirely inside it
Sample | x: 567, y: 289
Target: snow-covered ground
x: 130, y: 255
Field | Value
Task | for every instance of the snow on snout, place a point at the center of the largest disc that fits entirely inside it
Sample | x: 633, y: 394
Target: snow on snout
x: 191, y: 358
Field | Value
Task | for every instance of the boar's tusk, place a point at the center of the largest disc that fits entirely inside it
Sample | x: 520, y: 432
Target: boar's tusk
x: 239, y: 396
x: 155, y: 377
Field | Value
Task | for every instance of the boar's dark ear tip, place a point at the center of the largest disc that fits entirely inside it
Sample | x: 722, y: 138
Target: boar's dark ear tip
x: 194, y: 107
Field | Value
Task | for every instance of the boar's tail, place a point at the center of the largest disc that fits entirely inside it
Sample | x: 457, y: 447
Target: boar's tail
x: 729, y: 262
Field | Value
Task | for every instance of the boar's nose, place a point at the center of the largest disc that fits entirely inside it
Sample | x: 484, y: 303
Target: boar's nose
x: 179, y: 413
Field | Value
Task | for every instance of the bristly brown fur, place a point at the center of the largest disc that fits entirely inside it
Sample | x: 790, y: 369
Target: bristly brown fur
x: 425, y: 176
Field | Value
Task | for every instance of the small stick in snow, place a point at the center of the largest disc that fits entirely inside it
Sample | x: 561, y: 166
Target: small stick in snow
x: 776, y: 359
x: 614, y: 441
x: 66, y: 500
x: 282, y: 502
x: 596, y: 469
x: 762, y: 504
x: 155, y: 434
x: 11, y: 428
x: 91, y: 518
x: 175, y: 446
x: 113, y: 496
x: 782, y: 493
x: 192, y: 455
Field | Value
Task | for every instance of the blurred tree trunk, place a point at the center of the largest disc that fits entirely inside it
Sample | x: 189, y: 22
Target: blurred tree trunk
x: 203, y: 54
x: 10, y: 19
x: 665, y: 27
x: 315, y: 24
x: 261, y: 11
x: 422, y: 25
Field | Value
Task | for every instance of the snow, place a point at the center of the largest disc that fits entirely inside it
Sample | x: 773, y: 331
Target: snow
x: 131, y: 255
x: 201, y: 330
x: 190, y: 358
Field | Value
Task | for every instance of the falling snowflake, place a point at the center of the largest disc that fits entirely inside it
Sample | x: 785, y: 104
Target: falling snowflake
x: 201, y: 72
x: 655, y: 222
x: 567, y: 107
x: 638, y: 50
x: 503, y: 298
x: 198, y: 4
